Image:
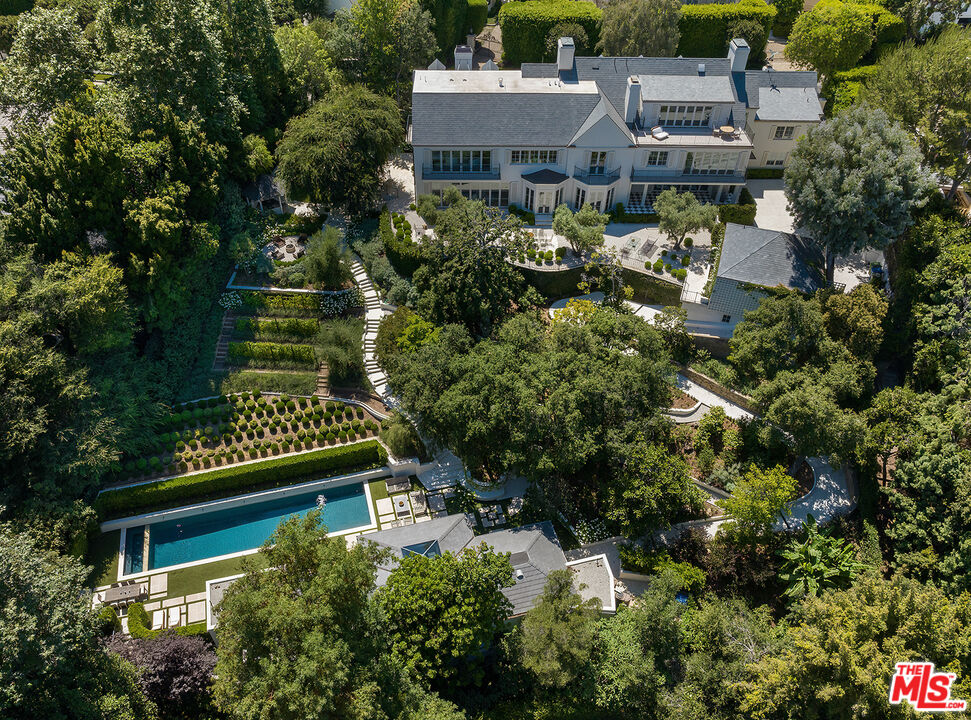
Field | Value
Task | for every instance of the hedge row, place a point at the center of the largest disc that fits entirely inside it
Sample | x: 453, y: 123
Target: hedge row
x: 743, y: 213
x: 526, y: 25
x: 275, y: 353
x: 704, y: 28
x: 528, y: 218
x: 888, y: 29
x: 240, y: 478
x: 843, y: 88
x: 287, y: 327
x: 764, y: 173
x: 403, y: 252
x: 455, y: 18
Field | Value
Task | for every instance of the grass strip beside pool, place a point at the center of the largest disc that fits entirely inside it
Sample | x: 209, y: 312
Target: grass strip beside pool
x: 230, y: 480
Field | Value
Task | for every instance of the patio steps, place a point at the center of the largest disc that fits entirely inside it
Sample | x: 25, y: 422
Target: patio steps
x: 222, y: 345
x: 323, y: 380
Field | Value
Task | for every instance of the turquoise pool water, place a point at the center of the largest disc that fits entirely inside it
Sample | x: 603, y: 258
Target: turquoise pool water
x: 222, y: 532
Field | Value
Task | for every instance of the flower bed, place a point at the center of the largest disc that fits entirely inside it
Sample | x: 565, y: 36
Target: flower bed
x: 252, y: 302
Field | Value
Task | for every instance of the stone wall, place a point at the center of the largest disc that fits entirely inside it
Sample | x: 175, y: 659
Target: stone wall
x: 716, y: 387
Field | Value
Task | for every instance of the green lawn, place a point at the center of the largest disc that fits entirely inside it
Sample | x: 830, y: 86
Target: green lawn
x: 193, y: 579
x: 103, y: 556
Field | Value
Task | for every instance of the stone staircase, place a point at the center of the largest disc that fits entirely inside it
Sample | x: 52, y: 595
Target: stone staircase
x: 323, y: 380
x: 222, y: 345
x: 372, y: 318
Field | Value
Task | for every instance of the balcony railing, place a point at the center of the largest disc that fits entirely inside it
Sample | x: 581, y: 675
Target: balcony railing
x: 491, y: 173
x: 651, y: 175
x: 596, y: 176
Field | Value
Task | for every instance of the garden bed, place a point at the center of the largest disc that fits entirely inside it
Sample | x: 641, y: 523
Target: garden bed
x: 680, y: 400
x: 222, y: 431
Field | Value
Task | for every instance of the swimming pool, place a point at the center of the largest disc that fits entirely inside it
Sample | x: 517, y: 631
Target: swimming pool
x: 210, y: 534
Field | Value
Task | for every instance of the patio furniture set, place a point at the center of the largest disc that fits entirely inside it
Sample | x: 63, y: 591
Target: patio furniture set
x: 287, y: 248
x: 492, y: 515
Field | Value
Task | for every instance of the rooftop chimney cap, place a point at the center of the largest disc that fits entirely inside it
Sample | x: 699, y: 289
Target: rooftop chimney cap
x: 701, y: 68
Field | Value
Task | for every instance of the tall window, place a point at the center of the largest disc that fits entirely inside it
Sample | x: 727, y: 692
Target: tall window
x: 657, y: 158
x: 530, y: 194
x: 710, y: 163
x: 579, y: 198
x: 784, y: 132
x: 685, y: 115
x: 636, y: 195
x: 534, y: 157
x: 559, y: 197
x: 610, y: 199
x: 598, y: 163
x: 461, y: 160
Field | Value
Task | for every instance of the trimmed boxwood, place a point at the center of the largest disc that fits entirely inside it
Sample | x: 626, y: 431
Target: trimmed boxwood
x: 271, y: 355
x: 741, y: 214
x: 704, y: 28
x: 526, y: 25
x: 176, y: 491
x: 404, y: 254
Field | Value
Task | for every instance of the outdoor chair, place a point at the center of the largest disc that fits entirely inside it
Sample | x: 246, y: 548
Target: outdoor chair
x: 658, y: 133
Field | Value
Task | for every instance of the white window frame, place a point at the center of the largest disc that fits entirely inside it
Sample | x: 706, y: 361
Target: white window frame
x: 462, y: 161
x: 534, y: 157
x: 784, y: 132
x: 656, y: 158
x: 686, y: 115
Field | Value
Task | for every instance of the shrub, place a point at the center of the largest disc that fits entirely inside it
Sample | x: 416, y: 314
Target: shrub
x: 139, y: 623
x: 704, y: 28
x: 526, y: 216
x: 740, y: 214
x: 680, y: 273
x: 404, y: 254
x: 658, y: 266
x: 685, y: 260
x: 131, y: 500
x: 260, y: 327
x: 548, y: 255
x: 786, y: 13
x: 843, y: 88
x: 688, y: 242
x: 108, y: 621
x: 764, y: 173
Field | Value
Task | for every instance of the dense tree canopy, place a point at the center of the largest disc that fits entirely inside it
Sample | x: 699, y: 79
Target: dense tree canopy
x: 334, y: 153
x: 53, y: 664
x: 444, y: 613
x: 925, y: 88
x: 853, y: 181
x: 831, y: 37
x: 641, y: 27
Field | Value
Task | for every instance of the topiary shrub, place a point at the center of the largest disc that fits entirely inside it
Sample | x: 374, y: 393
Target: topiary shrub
x: 658, y: 266
x: 688, y: 242
x: 525, y: 26
x: 108, y: 621
x: 704, y: 28
x: 139, y: 623
x: 685, y: 260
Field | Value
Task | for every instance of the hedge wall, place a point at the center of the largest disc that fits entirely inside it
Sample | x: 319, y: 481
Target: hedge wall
x: 140, y: 624
x: 455, y: 18
x: 285, y: 327
x: 764, y: 173
x: 704, y: 28
x: 230, y: 480
x: 786, y: 13
x: 842, y: 89
x: 888, y: 29
x: 404, y: 256
x: 525, y: 26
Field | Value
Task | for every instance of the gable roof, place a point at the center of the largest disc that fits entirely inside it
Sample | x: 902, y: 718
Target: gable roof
x: 535, y: 552
x: 603, y: 110
x: 770, y: 258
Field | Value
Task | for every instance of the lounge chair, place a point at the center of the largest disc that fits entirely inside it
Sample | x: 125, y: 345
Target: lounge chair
x: 158, y: 619
x: 174, y: 618
x: 658, y: 133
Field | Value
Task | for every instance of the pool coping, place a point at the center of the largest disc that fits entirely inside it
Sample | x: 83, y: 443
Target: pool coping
x: 240, y: 501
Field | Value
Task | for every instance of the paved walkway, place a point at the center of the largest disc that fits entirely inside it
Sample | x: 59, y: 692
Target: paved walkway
x: 372, y: 318
x: 707, y: 397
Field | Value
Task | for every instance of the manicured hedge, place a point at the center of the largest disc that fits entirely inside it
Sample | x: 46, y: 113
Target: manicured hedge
x: 289, y: 304
x: 526, y: 25
x: 743, y: 213
x: 786, y: 13
x: 240, y: 478
x: 478, y: 15
x: 528, y: 218
x: 140, y: 625
x: 704, y: 28
x: 843, y: 88
x: 285, y: 327
x: 888, y: 29
x: 764, y: 173
x: 404, y: 253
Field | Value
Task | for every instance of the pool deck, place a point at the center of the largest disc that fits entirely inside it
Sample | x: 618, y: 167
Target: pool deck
x: 184, y: 586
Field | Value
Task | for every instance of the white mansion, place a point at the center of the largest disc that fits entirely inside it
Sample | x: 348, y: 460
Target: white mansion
x: 605, y: 130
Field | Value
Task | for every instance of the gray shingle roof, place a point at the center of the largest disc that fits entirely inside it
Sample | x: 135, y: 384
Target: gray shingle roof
x: 686, y: 88
x: 535, y: 553
x: 770, y: 258
x: 788, y: 104
x: 543, y: 119
x: 545, y: 177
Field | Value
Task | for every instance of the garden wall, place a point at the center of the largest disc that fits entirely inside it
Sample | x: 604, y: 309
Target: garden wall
x: 743, y: 401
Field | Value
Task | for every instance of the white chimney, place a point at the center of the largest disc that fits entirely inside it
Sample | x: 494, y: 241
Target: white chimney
x: 463, y: 57
x: 564, y: 54
x: 632, y: 103
x: 738, y: 51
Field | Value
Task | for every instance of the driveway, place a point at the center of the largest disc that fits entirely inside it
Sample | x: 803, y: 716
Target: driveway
x: 770, y: 204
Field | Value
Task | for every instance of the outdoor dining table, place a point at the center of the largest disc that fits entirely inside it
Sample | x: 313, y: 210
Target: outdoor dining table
x: 726, y: 129
x: 125, y: 592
